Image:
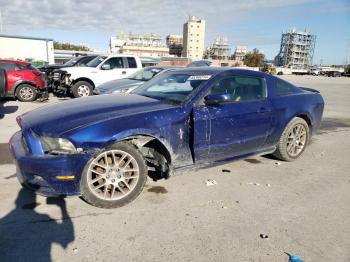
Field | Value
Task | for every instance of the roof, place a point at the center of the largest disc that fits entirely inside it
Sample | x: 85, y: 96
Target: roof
x: 14, y: 61
x: 203, y: 70
x: 212, y: 70
x: 25, y: 37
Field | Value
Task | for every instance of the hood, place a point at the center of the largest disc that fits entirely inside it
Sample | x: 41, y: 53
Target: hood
x: 113, y: 85
x: 50, y: 67
x: 78, y: 69
x: 59, y: 118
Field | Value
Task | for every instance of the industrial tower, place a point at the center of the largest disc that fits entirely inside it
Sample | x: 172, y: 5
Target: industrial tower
x: 297, y: 49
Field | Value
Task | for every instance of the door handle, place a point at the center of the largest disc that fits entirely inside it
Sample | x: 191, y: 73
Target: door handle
x: 124, y: 72
x: 17, y: 75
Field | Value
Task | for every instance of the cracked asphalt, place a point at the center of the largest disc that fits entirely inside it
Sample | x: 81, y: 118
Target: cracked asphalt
x: 303, y: 207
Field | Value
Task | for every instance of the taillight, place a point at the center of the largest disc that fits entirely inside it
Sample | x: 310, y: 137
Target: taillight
x: 19, y: 121
x: 36, y: 72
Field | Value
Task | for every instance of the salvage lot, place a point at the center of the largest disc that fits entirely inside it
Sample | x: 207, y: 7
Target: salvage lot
x: 303, y: 207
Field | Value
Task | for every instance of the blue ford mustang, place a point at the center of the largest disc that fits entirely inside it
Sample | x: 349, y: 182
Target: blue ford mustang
x: 104, y: 147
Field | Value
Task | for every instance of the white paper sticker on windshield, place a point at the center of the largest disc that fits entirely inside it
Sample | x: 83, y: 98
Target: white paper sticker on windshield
x: 199, y: 77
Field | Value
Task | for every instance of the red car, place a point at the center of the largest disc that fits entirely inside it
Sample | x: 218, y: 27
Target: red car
x: 21, y: 80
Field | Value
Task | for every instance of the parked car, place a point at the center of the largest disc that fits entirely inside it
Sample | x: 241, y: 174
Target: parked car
x: 333, y: 74
x: 21, y: 80
x: 81, y: 81
x: 200, y: 63
x: 75, y: 61
x: 106, y: 146
x: 130, y: 83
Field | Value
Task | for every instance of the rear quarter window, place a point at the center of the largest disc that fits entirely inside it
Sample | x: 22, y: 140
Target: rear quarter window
x: 284, y: 88
x: 7, y: 66
x: 132, y: 62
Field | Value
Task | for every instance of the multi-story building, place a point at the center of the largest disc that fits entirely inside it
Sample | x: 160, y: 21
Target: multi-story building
x: 297, y: 49
x: 219, y: 50
x: 193, y: 38
x: 175, y: 44
x: 141, y: 45
x: 240, y: 53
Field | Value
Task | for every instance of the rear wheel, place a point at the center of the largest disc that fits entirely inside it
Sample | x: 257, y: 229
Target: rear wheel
x: 82, y: 88
x: 115, y: 177
x: 26, y: 93
x: 293, y: 141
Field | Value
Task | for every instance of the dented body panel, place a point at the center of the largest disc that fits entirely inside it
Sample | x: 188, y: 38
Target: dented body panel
x: 193, y: 134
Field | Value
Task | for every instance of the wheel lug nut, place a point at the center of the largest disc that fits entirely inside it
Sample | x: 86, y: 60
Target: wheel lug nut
x: 113, y: 180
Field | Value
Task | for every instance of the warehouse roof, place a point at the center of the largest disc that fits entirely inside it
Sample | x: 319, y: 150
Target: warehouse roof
x: 26, y: 37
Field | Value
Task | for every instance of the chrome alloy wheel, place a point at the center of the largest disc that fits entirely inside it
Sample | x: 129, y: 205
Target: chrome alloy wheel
x: 83, y: 90
x: 26, y: 93
x: 296, y: 140
x: 112, y: 175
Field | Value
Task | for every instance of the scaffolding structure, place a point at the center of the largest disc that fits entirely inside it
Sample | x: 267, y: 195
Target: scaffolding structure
x: 220, y: 50
x: 297, y: 49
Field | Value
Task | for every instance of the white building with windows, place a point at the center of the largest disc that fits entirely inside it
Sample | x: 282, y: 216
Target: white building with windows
x: 193, y: 38
x: 31, y: 49
x: 140, y: 45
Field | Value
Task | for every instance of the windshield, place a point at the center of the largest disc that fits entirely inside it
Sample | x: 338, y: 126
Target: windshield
x: 72, y: 62
x: 172, y: 87
x: 145, y: 74
x: 96, y: 61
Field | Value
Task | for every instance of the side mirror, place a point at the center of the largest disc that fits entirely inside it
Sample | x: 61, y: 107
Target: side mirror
x: 106, y: 67
x: 217, y: 99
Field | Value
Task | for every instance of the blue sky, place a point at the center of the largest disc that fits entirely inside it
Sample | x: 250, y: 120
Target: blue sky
x: 257, y: 24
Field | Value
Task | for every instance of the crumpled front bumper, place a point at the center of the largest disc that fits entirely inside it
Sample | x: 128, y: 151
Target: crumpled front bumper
x: 40, y: 172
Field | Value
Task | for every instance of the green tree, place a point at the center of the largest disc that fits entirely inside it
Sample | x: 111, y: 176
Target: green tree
x: 68, y: 46
x: 254, y: 59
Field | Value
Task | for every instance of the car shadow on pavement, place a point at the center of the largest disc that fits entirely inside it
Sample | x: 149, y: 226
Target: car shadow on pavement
x: 6, y: 109
x: 26, y: 235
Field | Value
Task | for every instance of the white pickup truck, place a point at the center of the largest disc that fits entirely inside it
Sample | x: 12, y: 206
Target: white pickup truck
x: 81, y: 81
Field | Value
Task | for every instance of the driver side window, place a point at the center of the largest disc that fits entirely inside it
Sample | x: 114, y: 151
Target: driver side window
x: 115, y: 62
x: 241, y: 88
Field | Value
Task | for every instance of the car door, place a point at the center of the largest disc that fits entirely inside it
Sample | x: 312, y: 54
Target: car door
x: 111, y: 69
x: 237, y: 127
x: 131, y: 65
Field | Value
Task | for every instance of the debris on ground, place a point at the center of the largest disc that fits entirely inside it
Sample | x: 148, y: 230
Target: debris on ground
x: 277, y: 163
x: 253, y: 183
x: 318, y: 155
x: 75, y: 250
x: 293, y: 258
x: 268, y: 185
x: 224, y: 207
x: 226, y: 171
x: 210, y: 182
x: 263, y: 236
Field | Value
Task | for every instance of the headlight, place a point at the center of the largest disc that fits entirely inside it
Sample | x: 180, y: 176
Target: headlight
x: 123, y: 90
x: 57, y: 145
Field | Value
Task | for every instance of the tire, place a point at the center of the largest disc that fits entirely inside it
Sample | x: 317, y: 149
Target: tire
x: 26, y: 93
x: 292, y: 144
x: 107, y: 186
x: 3, y: 83
x: 82, y: 88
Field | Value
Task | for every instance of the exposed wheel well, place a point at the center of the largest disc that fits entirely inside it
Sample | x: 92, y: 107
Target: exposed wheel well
x: 84, y: 79
x: 156, y: 154
x: 306, y: 118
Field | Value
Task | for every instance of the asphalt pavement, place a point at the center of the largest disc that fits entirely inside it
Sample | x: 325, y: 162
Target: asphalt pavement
x: 250, y: 210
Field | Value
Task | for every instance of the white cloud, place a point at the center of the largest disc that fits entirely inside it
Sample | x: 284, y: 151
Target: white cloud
x: 131, y: 15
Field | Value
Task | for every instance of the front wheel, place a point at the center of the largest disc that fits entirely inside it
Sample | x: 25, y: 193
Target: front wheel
x: 82, y: 88
x: 26, y: 93
x: 293, y: 141
x: 114, y: 177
